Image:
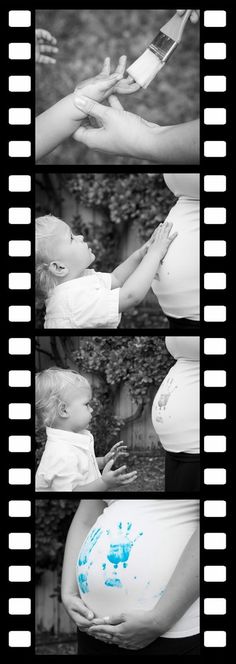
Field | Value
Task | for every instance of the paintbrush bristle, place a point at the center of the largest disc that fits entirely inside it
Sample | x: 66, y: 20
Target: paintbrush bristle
x: 145, y: 68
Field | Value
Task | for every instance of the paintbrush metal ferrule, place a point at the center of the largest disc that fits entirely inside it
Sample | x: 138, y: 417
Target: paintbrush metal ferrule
x: 163, y: 47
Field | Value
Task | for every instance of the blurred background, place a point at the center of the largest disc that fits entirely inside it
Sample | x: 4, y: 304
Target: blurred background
x: 55, y: 631
x: 125, y: 374
x: 85, y: 37
x: 116, y: 213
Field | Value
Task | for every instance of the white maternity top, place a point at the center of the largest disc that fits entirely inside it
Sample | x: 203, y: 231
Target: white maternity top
x: 177, y: 284
x: 130, y: 554
x: 176, y: 406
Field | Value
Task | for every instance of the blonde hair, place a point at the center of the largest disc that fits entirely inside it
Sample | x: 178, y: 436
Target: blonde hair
x: 50, y: 389
x: 45, y: 281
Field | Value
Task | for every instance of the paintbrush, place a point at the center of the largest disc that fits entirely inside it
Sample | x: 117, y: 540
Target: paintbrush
x: 145, y: 68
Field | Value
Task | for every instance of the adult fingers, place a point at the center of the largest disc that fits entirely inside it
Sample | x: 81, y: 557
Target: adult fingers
x: 103, y: 629
x: 120, y: 69
x: 44, y: 34
x: 110, y: 620
x: 45, y: 59
x: 91, y: 107
x: 115, y: 103
x: 194, y: 18
x: 48, y: 49
x: 106, y: 66
x: 80, y: 608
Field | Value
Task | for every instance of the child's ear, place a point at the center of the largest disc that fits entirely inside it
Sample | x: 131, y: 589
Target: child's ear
x: 58, y: 269
x: 62, y: 410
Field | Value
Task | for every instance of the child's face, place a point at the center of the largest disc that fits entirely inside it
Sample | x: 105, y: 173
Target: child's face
x: 70, y: 250
x: 79, y: 411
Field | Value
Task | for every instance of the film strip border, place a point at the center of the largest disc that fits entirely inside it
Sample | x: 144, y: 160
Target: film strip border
x: 216, y: 315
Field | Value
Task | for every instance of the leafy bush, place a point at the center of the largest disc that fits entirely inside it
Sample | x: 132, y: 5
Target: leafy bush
x: 52, y: 520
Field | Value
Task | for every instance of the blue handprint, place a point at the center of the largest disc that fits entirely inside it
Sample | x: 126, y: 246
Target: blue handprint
x: 88, y: 545
x: 119, y: 552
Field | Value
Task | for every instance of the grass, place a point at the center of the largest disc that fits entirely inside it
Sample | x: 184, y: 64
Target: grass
x: 85, y: 37
x: 64, y: 644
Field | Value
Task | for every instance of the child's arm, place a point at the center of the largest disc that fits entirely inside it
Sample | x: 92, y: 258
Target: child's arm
x: 61, y: 120
x: 111, y: 479
x: 137, y: 285
x: 85, y: 517
x: 123, y: 271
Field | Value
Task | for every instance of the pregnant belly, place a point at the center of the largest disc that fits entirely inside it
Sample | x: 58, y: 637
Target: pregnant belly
x: 125, y: 563
x: 175, y: 410
x: 177, y: 284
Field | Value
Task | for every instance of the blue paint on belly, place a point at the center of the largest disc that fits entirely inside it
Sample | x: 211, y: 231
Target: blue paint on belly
x: 113, y: 583
x: 83, y: 583
x: 88, y: 545
x: 119, y: 553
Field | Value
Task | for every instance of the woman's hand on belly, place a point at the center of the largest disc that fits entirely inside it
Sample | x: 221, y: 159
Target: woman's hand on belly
x: 132, y: 631
x: 78, y: 612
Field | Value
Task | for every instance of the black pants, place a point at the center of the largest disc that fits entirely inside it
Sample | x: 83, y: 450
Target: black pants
x: 87, y: 645
x: 183, y: 323
x: 182, y: 472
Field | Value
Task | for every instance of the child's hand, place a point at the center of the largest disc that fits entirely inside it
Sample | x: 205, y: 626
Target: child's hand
x: 127, y: 86
x: 115, y: 452
x: 116, y: 478
x: 45, y: 46
x: 101, y: 86
x: 78, y: 612
x: 162, y: 239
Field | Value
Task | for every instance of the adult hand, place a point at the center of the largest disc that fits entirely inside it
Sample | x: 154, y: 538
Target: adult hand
x: 78, y: 612
x: 45, y: 47
x: 119, y: 132
x: 194, y: 16
x: 132, y: 631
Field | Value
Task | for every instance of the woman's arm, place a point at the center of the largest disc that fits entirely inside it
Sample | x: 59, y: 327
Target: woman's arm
x: 182, y: 589
x: 137, y: 629
x: 127, y: 134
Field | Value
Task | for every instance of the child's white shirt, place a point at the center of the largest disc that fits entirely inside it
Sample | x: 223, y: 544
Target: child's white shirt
x: 85, y: 302
x: 67, y: 461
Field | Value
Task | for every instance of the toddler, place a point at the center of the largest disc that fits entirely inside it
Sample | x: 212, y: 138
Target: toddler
x: 78, y: 297
x: 68, y: 462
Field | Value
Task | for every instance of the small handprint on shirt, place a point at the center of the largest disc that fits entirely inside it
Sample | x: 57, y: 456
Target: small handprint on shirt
x: 88, y: 545
x: 169, y: 387
x: 120, y: 547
